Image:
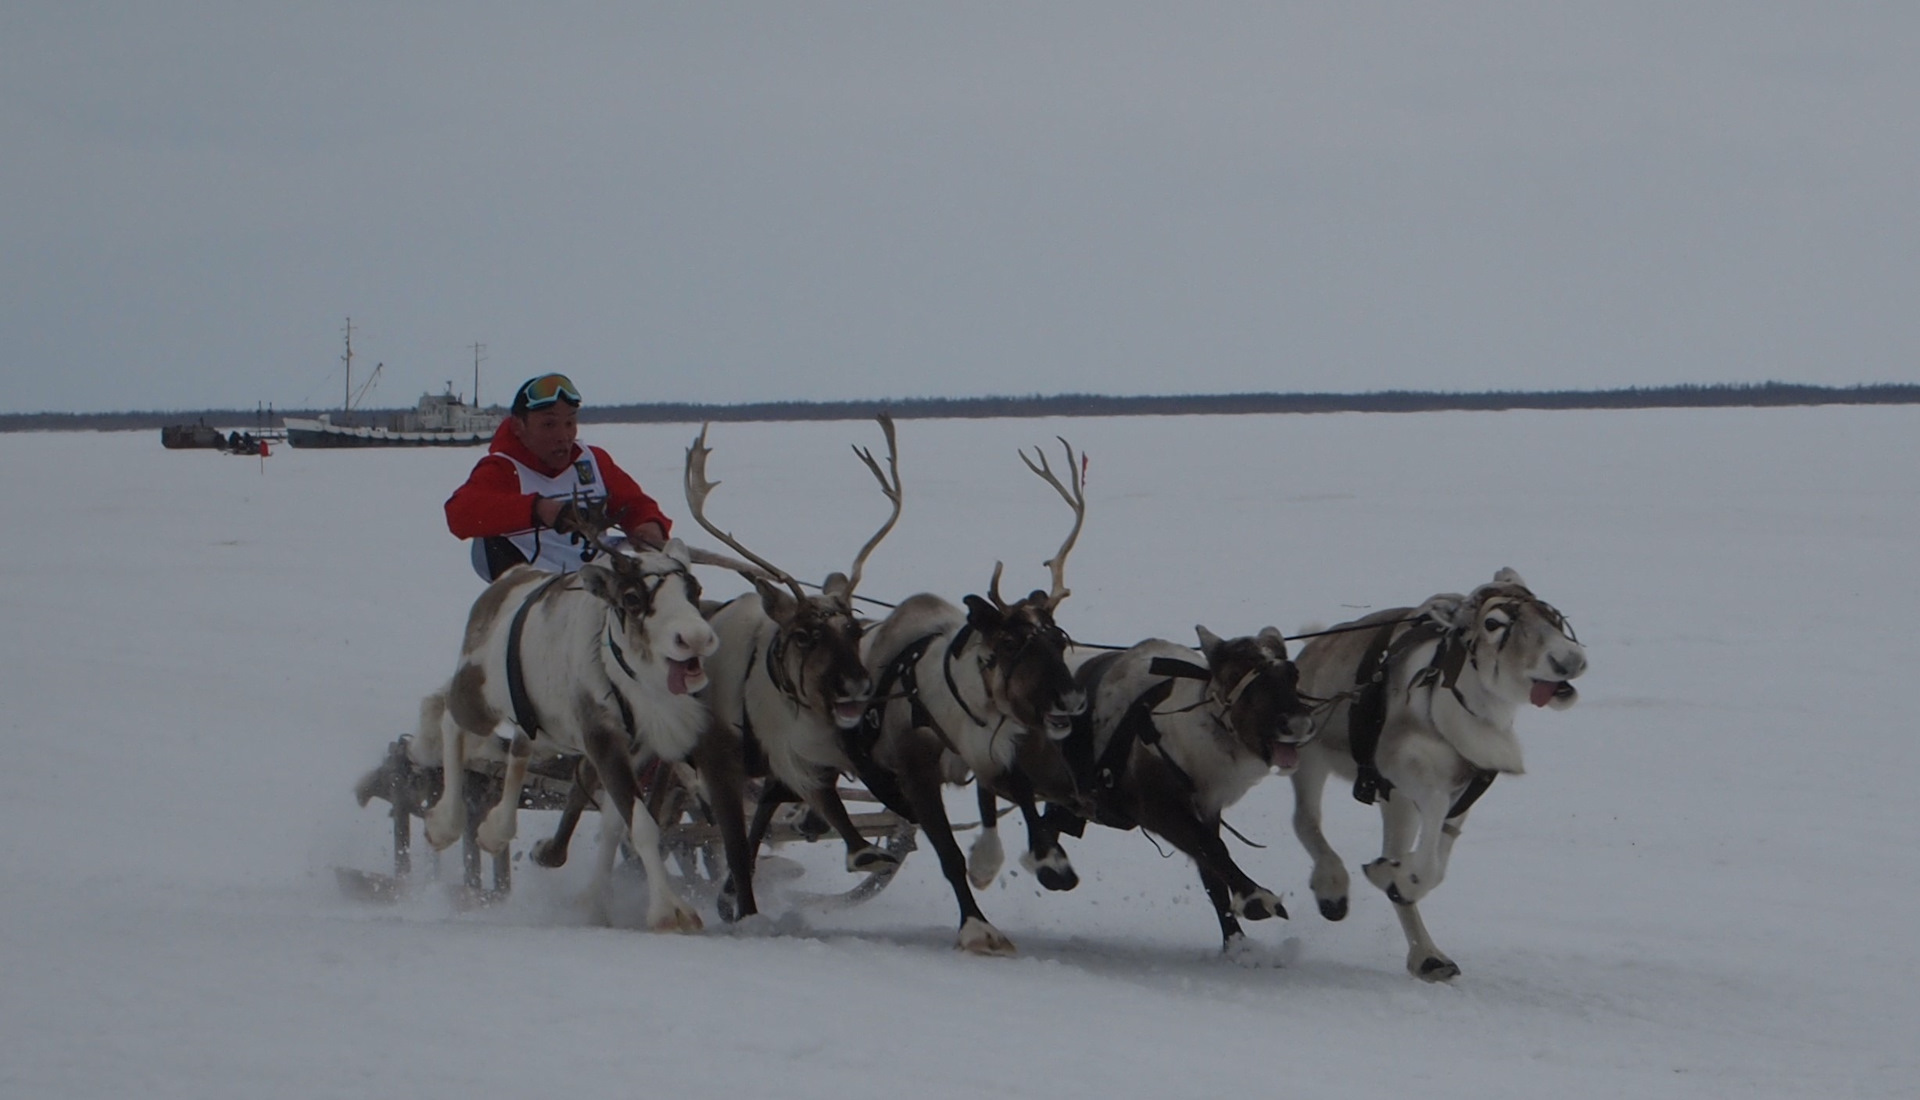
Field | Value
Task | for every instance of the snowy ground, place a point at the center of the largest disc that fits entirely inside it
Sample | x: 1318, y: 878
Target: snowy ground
x: 1679, y: 899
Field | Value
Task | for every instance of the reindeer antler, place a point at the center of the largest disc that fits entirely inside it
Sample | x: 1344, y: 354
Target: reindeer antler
x: 1076, y: 499
x: 890, y: 488
x: 697, y: 489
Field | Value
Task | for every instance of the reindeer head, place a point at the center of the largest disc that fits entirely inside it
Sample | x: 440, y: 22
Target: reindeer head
x: 816, y: 649
x: 1023, y: 663
x: 1254, y: 690
x: 655, y: 635
x: 1519, y: 645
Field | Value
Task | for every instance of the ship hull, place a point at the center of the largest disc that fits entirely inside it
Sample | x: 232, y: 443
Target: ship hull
x: 313, y: 433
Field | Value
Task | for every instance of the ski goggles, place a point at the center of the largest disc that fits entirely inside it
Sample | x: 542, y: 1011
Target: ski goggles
x: 542, y: 392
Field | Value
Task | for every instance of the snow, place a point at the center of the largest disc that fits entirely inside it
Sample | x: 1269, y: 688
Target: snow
x: 1677, y: 900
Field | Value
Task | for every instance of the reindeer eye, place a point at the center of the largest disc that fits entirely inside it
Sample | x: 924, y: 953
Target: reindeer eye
x: 1495, y: 624
x: 803, y: 638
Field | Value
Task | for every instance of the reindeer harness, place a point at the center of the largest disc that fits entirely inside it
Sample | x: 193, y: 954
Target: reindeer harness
x: 1367, y: 717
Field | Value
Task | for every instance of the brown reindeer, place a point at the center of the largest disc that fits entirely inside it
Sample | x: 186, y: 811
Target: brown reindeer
x: 982, y: 684
x: 788, y: 683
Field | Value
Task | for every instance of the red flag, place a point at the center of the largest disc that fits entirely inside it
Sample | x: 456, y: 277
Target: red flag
x: 263, y: 449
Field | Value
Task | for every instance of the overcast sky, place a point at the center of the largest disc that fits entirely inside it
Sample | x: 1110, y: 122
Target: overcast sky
x: 715, y: 201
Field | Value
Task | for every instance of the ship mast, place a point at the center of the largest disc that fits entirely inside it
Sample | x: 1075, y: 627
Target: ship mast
x: 479, y: 350
x: 346, y: 400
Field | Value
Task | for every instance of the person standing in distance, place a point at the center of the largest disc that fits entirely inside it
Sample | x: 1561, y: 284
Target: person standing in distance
x: 516, y: 505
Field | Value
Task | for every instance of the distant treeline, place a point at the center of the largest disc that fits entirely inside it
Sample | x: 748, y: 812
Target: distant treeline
x: 947, y: 408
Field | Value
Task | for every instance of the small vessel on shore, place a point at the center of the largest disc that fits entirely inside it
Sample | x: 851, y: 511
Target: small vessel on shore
x: 438, y: 420
x: 198, y: 436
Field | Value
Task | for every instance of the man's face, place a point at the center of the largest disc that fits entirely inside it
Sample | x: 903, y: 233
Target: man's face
x: 549, y: 433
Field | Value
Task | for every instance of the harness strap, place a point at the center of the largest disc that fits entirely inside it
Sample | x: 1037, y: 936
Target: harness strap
x: 960, y: 639
x: 1476, y: 787
x: 859, y: 744
x: 524, y: 715
x: 753, y: 758
x: 1368, y: 715
x: 1136, y: 725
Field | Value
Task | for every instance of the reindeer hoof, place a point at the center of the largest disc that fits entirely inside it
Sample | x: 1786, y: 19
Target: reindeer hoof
x: 373, y: 784
x: 1054, y: 871
x: 679, y: 918
x: 548, y: 854
x: 870, y: 859
x: 1052, y: 879
x: 1261, y: 906
x: 728, y: 903
x: 493, y: 841
x: 977, y: 937
x: 1333, y: 908
x: 1436, y: 968
x: 985, y: 859
x: 442, y: 833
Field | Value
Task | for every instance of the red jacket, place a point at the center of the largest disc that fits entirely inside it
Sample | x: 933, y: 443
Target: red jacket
x: 491, y: 503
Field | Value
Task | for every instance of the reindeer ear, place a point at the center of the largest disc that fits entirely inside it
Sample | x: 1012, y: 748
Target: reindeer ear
x: 600, y: 581
x: 1508, y: 575
x: 838, y: 590
x: 1209, y: 641
x: 774, y: 599
x: 678, y: 551
x: 982, y: 615
x: 1275, y: 641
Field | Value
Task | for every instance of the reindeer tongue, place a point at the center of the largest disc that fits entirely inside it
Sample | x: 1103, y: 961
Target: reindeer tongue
x: 1542, y: 693
x: 1284, y: 756
x: 677, y: 676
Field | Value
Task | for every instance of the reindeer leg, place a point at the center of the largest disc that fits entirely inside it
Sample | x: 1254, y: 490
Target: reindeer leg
x: 717, y: 759
x: 1044, y: 858
x: 1230, y: 932
x: 552, y: 851
x: 666, y: 911
x: 497, y: 829
x: 1410, y: 866
x: 447, y: 821
x: 920, y: 781
x: 1330, y: 883
x: 863, y: 856
x: 1399, y: 872
x: 773, y: 795
x: 986, y: 856
x: 1163, y: 806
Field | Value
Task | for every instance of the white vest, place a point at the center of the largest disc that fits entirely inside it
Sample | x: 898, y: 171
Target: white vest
x: 545, y: 548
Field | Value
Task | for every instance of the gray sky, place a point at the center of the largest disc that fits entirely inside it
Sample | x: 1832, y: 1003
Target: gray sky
x: 721, y: 201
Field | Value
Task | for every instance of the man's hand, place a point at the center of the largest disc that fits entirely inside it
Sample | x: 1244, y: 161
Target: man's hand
x: 648, y: 534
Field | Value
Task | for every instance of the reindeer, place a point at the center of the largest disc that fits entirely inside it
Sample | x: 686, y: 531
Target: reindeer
x: 1168, y: 743
x: 1422, y: 722
x: 605, y: 663
x: 983, y: 685
x: 788, y: 682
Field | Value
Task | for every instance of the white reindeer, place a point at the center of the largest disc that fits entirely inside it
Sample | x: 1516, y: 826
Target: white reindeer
x: 987, y: 685
x: 604, y: 662
x: 788, y: 680
x: 1426, y: 723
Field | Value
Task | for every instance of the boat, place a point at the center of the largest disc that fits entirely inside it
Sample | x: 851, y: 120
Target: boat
x: 195, y: 437
x: 438, y: 420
